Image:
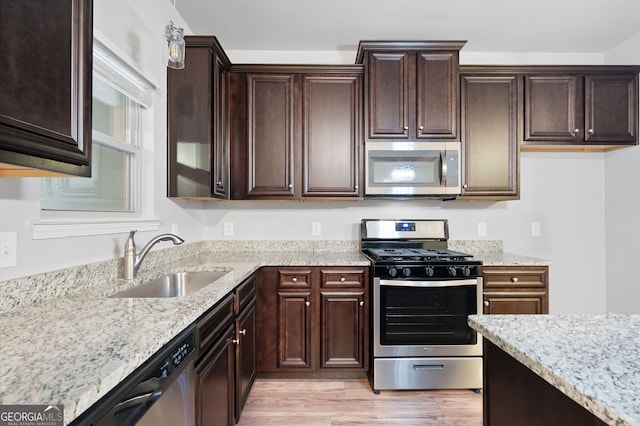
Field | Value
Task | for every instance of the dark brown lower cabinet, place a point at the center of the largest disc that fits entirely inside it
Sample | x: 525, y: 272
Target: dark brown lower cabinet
x: 312, y: 321
x: 245, y: 354
x: 215, y: 372
x: 516, y: 289
x: 515, y: 395
x: 226, y: 366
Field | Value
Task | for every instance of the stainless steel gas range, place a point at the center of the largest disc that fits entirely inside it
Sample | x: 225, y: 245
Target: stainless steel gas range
x: 422, y: 295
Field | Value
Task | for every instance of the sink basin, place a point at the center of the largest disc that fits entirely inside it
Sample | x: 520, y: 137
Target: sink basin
x: 177, y: 284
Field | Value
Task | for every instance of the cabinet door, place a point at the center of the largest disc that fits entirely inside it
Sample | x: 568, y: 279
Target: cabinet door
x: 220, y: 179
x: 45, y: 100
x: 245, y: 355
x: 388, y: 94
x: 437, y: 95
x: 553, y: 108
x: 342, y: 329
x: 294, y: 329
x: 611, y: 108
x: 331, y: 111
x: 489, y: 137
x: 215, y: 383
x: 189, y: 121
x: 514, y: 303
x: 271, y: 135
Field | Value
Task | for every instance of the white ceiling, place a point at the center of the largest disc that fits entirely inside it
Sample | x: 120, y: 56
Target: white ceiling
x: 487, y: 25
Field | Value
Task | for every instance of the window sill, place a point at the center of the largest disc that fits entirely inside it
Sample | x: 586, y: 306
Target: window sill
x: 45, y: 229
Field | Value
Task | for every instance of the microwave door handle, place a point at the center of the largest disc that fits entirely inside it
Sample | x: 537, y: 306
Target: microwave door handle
x: 443, y: 169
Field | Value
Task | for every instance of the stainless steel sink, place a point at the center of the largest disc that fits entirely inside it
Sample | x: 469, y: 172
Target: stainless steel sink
x: 177, y: 284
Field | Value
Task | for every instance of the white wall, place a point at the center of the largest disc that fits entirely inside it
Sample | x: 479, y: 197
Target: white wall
x: 564, y: 192
x: 622, y: 171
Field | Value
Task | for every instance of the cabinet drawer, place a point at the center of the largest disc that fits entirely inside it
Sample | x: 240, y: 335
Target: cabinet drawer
x: 213, y: 323
x: 245, y: 292
x: 339, y: 278
x: 294, y: 279
x: 515, y: 277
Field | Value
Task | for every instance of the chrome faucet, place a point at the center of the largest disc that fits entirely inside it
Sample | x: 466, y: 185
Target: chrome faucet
x: 132, y: 260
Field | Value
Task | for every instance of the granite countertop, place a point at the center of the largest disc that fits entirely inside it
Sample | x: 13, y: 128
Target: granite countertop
x: 499, y: 258
x: 593, y: 359
x: 73, y: 350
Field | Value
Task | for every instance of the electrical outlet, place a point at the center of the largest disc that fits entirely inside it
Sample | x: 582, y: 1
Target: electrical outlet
x: 316, y: 229
x: 228, y: 229
x: 535, y: 229
x: 8, y: 249
x: 482, y: 229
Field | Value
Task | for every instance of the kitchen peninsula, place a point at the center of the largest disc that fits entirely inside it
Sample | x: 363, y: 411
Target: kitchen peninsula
x: 560, y: 369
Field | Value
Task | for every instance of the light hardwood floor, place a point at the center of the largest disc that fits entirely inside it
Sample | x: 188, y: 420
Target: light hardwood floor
x: 351, y: 402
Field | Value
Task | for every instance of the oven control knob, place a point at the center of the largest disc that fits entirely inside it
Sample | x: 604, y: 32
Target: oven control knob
x: 429, y: 271
x: 392, y: 271
x: 465, y: 270
x: 406, y: 272
x: 452, y: 271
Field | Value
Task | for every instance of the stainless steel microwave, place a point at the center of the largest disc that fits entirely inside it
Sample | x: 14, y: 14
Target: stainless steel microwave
x: 405, y: 169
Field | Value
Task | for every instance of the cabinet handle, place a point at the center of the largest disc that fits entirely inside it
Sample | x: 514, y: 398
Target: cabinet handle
x: 243, y: 332
x: 342, y: 279
x: 294, y: 279
x: 591, y: 131
x: 514, y: 279
x: 307, y: 303
x: 236, y: 341
x: 486, y: 303
x: 362, y: 303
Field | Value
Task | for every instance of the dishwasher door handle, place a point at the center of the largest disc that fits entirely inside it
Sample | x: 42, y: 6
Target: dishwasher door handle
x: 428, y: 367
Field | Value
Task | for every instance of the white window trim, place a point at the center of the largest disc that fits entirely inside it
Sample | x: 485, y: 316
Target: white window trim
x: 45, y: 229
x: 141, y: 89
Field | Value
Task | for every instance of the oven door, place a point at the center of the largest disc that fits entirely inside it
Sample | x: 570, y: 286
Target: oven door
x: 412, y: 169
x: 426, y: 318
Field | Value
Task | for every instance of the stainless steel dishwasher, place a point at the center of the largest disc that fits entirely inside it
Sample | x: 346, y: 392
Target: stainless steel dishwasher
x: 160, y: 393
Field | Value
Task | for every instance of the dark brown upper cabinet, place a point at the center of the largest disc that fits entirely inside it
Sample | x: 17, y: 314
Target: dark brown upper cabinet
x: 411, y: 90
x: 296, y: 132
x: 197, y: 122
x: 490, y: 116
x: 590, y: 108
x: 45, y: 100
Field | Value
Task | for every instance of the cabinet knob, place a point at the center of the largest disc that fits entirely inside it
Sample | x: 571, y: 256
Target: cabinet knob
x: 294, y: 279
x: 219, y: 183
x: 485, y: 303
x: 307, y: 303
x: 514, y: 279
x: 591, y: 131
x: 236, y: 341
x: 342, y: 279
x: 290, y: 186
x: 362, y: 303
x: 421, y: 127
x: 465, y: 186
x: 406, y: 127
x: 575, y: 131
x: 243, y: 332
x: 356, y: 187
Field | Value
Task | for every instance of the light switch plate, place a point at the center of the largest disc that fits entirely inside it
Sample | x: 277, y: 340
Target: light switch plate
x: 535, y: 229
x: 482, y: 229
x: 228, y: 229
x: 316, y: 229
x: 8, y: 249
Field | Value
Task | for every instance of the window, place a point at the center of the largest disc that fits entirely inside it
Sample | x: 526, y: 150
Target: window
x: 118, y: 98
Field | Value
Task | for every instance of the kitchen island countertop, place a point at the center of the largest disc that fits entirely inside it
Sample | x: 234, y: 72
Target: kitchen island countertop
x: 593, y: 359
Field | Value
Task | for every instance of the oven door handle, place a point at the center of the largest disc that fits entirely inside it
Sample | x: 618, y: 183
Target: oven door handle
x: 448, y: 283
